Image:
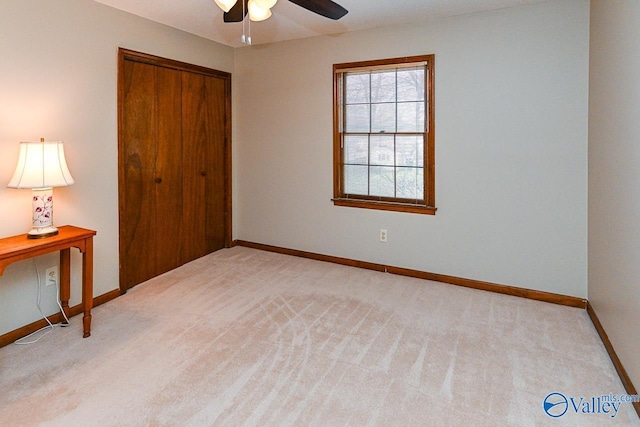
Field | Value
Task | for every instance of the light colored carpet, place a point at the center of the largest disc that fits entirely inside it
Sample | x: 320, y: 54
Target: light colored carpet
x: 246, y: 337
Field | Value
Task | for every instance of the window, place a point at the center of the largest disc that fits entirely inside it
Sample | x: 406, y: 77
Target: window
x: 384, y: 134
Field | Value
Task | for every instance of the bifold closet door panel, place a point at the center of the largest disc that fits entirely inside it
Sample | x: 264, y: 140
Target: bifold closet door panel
x: 137, y: 195
x: 168, y: 170
x: 216, y: 197
x: 203, y: 104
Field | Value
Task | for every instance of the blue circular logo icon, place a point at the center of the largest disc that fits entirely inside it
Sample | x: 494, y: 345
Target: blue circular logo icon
x: 555, y: 405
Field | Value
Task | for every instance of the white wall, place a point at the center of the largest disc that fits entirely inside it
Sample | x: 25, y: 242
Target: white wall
x: 614, y: 175
x: 511, y: 148
x: 511, y: 132
x: 58, y: 77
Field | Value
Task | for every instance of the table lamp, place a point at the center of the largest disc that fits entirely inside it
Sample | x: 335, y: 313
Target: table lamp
x: 41, y: 166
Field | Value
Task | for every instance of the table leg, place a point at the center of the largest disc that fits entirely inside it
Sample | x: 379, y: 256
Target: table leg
x: 87, y: 286
x: 65, y: 281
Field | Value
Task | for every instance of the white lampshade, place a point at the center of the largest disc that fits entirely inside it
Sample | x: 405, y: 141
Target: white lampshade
x: 266, y: 4
x: 257, y: 13
x: 41, y: 165
x: 225, y: 5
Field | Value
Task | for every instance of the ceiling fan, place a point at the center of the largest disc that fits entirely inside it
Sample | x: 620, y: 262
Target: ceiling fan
x: 238, y: 11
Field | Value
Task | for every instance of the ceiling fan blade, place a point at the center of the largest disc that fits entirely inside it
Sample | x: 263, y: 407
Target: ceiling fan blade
x: 326, y: 8
x: 236, y: 14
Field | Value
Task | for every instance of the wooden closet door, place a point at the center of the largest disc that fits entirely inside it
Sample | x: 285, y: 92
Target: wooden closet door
x: 216, y: 189
x: 174, y: 160
x: 168, y: 169
x: 151, y: 187
x: 203, y: 144
x: 137, y: 193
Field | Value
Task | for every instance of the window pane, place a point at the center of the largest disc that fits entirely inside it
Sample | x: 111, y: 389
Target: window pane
x: 356, y: 179
x: 383, y: 118
x: 409, y: 183
x: 383, y: 86
x: 411, y: 117
x: 357, y: 88
x: 382, y: 181
x: 382, y: 150
x: 357, y: 119
x: 409, y: 150
x: 411, y: 84
x: 356, y: 149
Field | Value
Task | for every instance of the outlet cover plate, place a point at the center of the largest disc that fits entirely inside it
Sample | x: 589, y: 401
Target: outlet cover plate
x: 51, y: 276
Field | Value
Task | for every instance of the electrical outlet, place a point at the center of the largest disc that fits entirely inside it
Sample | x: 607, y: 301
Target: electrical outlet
x: 383, y: 235
x: 52, y: 276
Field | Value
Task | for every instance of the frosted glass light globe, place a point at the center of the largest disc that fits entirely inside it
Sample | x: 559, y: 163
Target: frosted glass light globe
x: 257, y: 13
x: 226, y: 5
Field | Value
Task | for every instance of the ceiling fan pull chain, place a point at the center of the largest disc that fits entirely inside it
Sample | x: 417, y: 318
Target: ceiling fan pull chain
x: 246, y: 38
x: 243, y: 39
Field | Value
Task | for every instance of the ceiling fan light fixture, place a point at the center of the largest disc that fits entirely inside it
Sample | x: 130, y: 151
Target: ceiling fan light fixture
x: 257, y: 13
x: 266, y: 4
x: 225, y: 5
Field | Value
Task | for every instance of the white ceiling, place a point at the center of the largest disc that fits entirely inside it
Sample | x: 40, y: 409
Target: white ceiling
x: 289, y: 21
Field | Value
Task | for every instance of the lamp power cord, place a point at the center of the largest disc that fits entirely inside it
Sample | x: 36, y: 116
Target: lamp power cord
x: 50, y: 326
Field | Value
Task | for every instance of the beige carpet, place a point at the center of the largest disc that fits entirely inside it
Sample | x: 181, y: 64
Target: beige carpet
x: 245, y: 337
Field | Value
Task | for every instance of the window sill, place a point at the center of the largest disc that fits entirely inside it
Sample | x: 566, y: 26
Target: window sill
x: 385, y: 206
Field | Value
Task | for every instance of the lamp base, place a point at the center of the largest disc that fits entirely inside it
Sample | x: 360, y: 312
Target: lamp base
x: 42, y: 207
x: 42, y: 232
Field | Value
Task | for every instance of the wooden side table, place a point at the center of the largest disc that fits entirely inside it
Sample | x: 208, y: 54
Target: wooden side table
x: 17, y: 248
